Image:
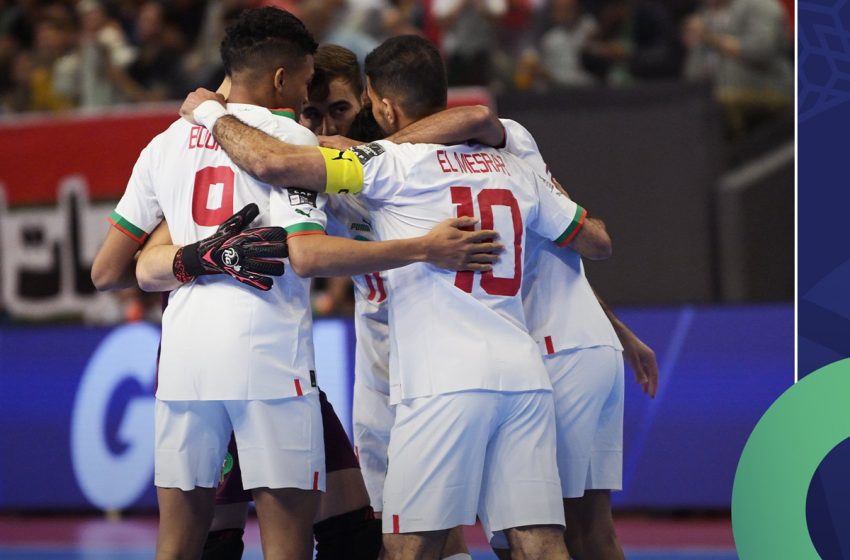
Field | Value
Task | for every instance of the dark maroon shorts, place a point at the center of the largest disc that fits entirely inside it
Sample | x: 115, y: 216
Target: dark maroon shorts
x: 339, y: 455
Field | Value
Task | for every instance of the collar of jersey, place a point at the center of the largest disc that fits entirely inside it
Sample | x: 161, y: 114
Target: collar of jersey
x: 288, y: 113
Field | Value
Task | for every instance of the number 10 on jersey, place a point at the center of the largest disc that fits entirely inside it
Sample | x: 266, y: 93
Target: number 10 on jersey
x: 487, y: 199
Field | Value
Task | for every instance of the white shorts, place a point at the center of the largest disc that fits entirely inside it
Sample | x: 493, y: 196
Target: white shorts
x: 280, y: 442
x: 486, y: 452
x: 372, y: 419
x: 588, y: 391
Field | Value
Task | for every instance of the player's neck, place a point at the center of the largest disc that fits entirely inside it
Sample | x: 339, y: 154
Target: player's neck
x: 245, y: 93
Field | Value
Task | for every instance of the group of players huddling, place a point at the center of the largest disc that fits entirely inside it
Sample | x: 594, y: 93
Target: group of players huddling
x: 488, y: 377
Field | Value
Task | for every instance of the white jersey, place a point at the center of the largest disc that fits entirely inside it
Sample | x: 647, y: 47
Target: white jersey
x: 561, y: 309
x: 348, y: 217
x: 222, y: 340
x: 457, y: 331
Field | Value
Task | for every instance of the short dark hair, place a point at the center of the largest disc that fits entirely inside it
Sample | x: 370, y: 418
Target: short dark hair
x: 332, y: 62
x: 410, y: 69
x: 265, y: 39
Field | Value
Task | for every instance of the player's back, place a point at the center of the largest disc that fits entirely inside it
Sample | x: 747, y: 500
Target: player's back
x: 455, y: 331
x: 560, y: 307
x: 222, y: 339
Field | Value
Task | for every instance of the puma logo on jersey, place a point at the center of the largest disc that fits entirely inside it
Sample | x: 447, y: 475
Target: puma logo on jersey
x: 303, y: 213
x: 340, y: 157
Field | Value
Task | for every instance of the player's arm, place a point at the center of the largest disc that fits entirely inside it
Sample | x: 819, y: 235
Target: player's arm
x: 154, y: 270
x: 639, y: 356
x: 476, y: 123
x: 445, y: 246
x: 264, y: 157
x: 591, y: 241
x: 114, y: 264
x: 247, y: 255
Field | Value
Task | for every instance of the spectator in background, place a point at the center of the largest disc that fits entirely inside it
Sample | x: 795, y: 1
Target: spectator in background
x: 555, y: 59
x: 157, y: 73
x: 103, y: 49
x: 742, y: 47
x: 204, y: 62
x: 53, y: 63
x: 634, y: 41
x: 469, y: 31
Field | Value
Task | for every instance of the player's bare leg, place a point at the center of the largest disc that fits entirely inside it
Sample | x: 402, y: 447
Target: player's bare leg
x: 345, y: 491
x: 590, y: 526
x: 537, y: 542
x: 184, y: 520
x: 286, y: 518
x: 424, y: 545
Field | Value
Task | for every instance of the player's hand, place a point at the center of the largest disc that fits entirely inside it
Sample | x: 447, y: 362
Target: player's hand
x: 208, y: 256
x: 641, y: 358
x: 337, y: 142
x: 251, y: 256
x: 453, y: 245
x: 194, y: 99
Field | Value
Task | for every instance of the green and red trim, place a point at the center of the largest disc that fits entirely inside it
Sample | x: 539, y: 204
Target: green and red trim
x: 572, y: 230
x: 305, y: 228
x: 288, y: 113
x: 121, y: 224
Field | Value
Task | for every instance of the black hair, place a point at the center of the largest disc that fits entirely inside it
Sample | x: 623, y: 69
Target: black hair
x: 409, y: 69
x: 265, y: 39
x: 364, y: 127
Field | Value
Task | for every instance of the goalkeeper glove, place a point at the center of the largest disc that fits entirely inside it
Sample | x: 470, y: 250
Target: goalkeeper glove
x: 245, y: 255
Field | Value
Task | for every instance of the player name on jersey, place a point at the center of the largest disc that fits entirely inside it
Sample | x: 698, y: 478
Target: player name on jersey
x: 477, y: 162
x: 200, y: 137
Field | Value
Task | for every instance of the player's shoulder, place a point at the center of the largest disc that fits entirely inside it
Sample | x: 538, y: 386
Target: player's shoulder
x: 167, y: 141
x: 281, y: 126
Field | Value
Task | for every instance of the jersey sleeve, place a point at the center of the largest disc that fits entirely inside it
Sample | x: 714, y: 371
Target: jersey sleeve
x: 138, y: 212
x: 298, y: 211
x: 520, y: 142
x: 557, y: 218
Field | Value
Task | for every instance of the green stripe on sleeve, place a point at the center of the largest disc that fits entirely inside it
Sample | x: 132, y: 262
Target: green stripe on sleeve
x: 125, y: 226
x: 574, y: 227
x: 304, y: 227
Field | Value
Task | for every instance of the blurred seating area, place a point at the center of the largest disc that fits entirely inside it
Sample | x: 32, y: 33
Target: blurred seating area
x: 64, y: 54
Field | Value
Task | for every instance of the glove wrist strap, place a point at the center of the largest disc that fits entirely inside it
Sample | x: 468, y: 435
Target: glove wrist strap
x: 187, y: 265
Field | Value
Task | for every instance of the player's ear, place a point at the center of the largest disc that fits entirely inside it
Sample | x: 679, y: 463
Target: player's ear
x: 390, y: 110
x: 279, y: 79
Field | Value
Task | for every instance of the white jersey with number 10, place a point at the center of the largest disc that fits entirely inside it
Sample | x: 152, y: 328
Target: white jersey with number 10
x: 457, y: 331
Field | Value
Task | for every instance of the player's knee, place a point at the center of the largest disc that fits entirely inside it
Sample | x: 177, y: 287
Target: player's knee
x: 355, y: 535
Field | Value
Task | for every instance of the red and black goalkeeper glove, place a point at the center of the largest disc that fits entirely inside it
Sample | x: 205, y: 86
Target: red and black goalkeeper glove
x: 233, y: 250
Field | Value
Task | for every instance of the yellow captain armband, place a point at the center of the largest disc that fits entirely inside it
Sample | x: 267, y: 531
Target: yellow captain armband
x: 344, y: 171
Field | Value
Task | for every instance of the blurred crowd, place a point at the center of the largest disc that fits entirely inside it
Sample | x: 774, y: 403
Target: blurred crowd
x: 61, y: 54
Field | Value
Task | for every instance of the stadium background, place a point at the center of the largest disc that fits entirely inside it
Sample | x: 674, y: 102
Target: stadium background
x: 700, y: 212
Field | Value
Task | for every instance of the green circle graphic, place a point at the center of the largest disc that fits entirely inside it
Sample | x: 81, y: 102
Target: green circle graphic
x: 779, y: 461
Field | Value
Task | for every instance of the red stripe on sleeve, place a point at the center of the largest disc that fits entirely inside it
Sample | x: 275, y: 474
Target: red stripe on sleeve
x: 298, y: 388
x: 315, y: 480
x: 307, y: 232
x: 396, y: 529
x: 550, y: 348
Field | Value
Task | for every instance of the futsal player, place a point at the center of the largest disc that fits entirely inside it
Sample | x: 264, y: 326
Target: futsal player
x: 463, y: 375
